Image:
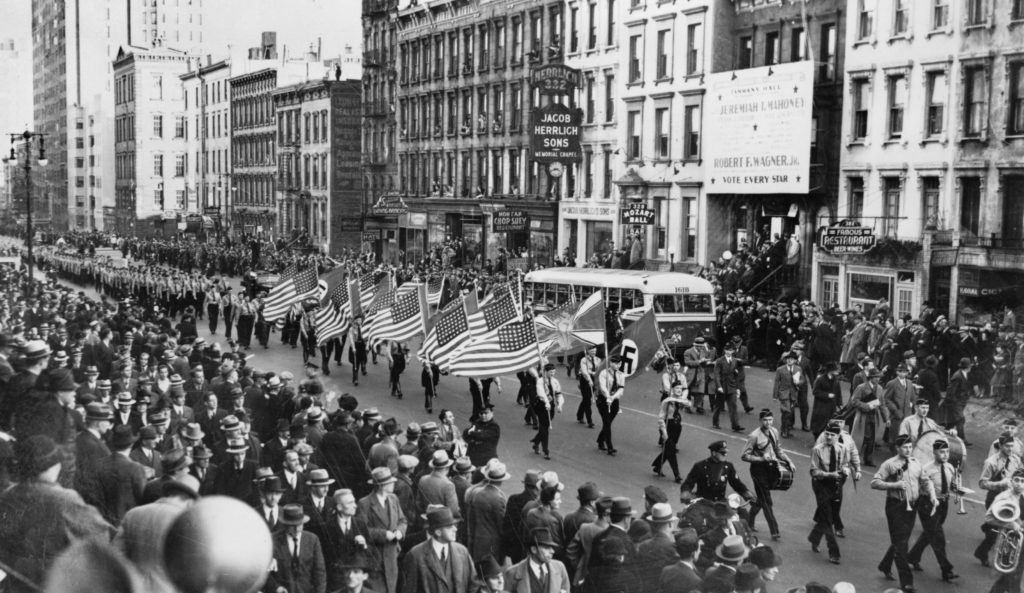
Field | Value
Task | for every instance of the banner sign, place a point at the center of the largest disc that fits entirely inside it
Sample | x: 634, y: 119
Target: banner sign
x: 757, y: 126
x: 847, y: 237
x: 371, y: 235
x: 555, y: 79
x: 637, y: 214
x: 555, y: 134
x: 505, y: 221
x: 390, y: 204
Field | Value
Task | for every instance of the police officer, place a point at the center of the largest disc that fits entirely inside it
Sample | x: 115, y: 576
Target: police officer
x: 709, y: 477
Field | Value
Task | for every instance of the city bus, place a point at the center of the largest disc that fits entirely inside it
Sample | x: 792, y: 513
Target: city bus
x: 683, y: 304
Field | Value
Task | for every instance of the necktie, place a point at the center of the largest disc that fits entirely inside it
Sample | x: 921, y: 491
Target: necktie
x: 295, y: 552
x: 920, y: 426
x: 344, y: 526
x: 551, y: 390
x: 945, y: 481
x: 270, y: 517
x: 444, y: 557
x: 903, y: 476
x: 831, y: 459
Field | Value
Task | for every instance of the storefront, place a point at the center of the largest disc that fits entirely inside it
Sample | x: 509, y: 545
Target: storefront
x: 587, y: 229
x: 863, y: 280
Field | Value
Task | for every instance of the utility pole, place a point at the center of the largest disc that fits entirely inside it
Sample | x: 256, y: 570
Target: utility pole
x: 27, y: 137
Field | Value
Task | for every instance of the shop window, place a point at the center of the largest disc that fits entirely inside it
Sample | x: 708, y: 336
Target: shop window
x: 867, y: 289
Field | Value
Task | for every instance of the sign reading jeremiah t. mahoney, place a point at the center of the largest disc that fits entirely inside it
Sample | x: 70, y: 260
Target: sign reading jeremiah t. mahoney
x: 757, y: 126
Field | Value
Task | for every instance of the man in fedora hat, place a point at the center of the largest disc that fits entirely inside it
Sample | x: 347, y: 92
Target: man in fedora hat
x: 872, y: 414
x: 270, y: 493
x: 345, y: 533
x: 681, y: 575
x: 387, y: 524
x: 485, y: 512
x: 698, y: 361
x: 203, y: 470
x: 90, y: 448
x: 124, y: 402
x: 435, y: 487
x: 173, y: 465
x: 440, y: 564
x: 296, y: 489
x: 539, y: 572
x: 789, y: 381
x: 121, y: 480
x: 236, y: 473
x: 658, y: 552
x: 621, y: 515
x: 731, y: 552
x: 350, y: 574
x: 298, y: 564
x: 490, y: 574
x: 315, y: 502
x: 35, y: 360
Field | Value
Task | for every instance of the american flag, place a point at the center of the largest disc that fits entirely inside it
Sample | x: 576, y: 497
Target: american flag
x: 403, y: 319
x: 290, y: 290
x: 367, y: 286
x: 435, y: 288
x: 334, y: 316
x: 450, y: 332
x: 511, y: 349
x: 491, y: 315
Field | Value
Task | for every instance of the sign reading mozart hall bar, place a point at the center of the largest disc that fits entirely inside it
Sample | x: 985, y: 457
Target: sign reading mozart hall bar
x: 757, y: 129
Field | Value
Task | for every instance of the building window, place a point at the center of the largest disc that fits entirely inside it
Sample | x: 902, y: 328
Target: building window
x: 1013, y: 209
x: 592, y: 25
x: 574, y: 29
x: 897, y: 101
x: 865, y: 19
x: 517, y: 40
x: 691, y: 132
x: 861, y: 101
x: 827, y: 58
x: 514, y: 170
x: 536, y: 36
x: 634, y: 130
x: 662, y: 125
x: 664, y: 47
x: 79, y: 162
x: 609, y: 97
x: 589, y: 97
x: 940, y: 14
x: 855, y: 199
x: 930, y: 203
x: 689, y: 230
x: 484, y: 40
x: 936, y: 103
x: 746, y: 53
x: 771, y: 48
x: 158, y: 126
x: 975, y: 90
x: 588, y: 173
x: 1015, y: 125
x: 694, y: 44
x: 497, y: 164
x: 611, y: 23
x: 606, y: 177
x: 517, y: 107
x: 900, y: 17
x: 499, y: 44
x: 970, y: 205
x: 158, y: 165
x: 891, y: 206
x: 797, y: 45
x: 975, y: 12
x: 179, y: 127
x: 453, y: 53
x: 1017, y: 11
x: 635, y: 51
x: 179, y: 165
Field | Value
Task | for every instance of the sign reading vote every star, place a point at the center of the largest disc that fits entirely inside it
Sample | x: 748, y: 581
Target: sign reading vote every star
x: 757, y: 127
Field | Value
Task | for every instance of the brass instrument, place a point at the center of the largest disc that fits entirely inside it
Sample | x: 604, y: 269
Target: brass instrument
x: 1009, y: 540
x: 906, y: 489
x: 958, y: 490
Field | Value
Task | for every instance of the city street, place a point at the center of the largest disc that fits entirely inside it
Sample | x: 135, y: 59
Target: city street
x: 576, y: 459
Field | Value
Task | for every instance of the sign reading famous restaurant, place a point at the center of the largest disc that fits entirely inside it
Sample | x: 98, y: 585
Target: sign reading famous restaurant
x: 847, y: 237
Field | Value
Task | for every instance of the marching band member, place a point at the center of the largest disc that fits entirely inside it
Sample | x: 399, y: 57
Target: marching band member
x: 919, y: 423
x: 545, y: 404
x: 903, y: 479
x: 764, y: 454
x: 1010, y: 427
x: 590, y: 366
x: 1009, y: 582
x: 852, y: 457
x: 943, y: 477
x: 995, y: 478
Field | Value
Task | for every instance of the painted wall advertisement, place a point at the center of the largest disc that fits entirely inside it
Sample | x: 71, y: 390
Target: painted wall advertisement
x: 761, y: 123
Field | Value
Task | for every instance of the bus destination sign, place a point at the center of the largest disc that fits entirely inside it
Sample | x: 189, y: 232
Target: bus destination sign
x: 847, y: 237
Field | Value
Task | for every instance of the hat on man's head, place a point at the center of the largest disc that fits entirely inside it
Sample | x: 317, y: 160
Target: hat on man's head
x: 381, y: 476
x: 319, y: 477
x: 237, y: 446
x: 621, y: 507
x: 686, y: 541
x: 230, y: 422
x: 35, y: 350
x: 91, y: 371
x: 98, y: 412
x: 35, y: 455
x: 125, y: 399
x: 297, y: 431
x: 718, y: 446
x: 123, y: 437
x: 463, y: 465
x: 662, y: 513
x: 615, y: 358
x: 291, y: 514
x: 588, y: 492
x: 903, y: 439
x: 408, y: 462
x: 488, y: 568
x: 147, y: 433
x: 440, y: 460
x: 355, y: 561
x: 873, y: 372
x: 653, y: 494
x: 440, y: 516
x: 62, y: 380
x: 732, y: 549
x: 764, y: 557
x: 541, y: 536
x: 104, y: 384
x: 940, y: 444
x: 965, y: 363
x: 175, y: 460
x: 748, y: 578
x: 428, y: 427
x: 273, y: 484
x: 192, y: 431
x: 765, y: 413
x: 201, y: 452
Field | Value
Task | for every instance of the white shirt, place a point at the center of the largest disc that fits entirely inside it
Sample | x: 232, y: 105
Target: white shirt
x: 538, y: 570
x: 440, y: 548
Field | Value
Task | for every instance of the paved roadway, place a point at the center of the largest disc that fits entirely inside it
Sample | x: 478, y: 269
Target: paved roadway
x: 576, y: 459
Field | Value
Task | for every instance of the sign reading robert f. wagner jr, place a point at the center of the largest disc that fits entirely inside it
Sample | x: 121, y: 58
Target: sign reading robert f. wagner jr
x: 757, y: 129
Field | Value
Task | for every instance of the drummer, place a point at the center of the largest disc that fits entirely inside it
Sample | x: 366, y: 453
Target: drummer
x: 1009, y: 427
x: 919, y: 423
x: 764, y: 454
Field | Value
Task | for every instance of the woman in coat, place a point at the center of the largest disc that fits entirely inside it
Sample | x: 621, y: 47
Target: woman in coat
x: 828, y: 398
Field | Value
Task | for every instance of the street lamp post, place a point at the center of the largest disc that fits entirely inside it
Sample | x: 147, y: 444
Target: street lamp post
x: 27, y: 137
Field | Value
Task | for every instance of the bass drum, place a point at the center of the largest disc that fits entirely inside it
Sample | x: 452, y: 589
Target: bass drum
x: 923, y: 451
x: 784, y: 479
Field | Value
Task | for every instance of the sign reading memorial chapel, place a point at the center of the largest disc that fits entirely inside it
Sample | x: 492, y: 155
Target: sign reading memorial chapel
x: 555, y: 134
x: 757, y: 125
x: 847, y: 237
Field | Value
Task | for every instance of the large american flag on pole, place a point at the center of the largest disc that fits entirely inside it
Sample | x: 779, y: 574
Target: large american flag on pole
x: 510, y: 349
x: 367, y: 290
x: 450, y: 332
x: 435, y: 288
x: 492, y: 314
x: 335, y: 316
x: 404, y: 319
x: 290, y: 290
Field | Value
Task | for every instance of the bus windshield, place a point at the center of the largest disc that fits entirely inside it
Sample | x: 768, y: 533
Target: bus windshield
x: 682, y: 303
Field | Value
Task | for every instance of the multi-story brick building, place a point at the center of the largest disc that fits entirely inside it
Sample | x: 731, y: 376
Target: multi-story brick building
x: 253, y: 142
x: 379, y: 162
x: 462, y: 105
x: 206, y: 123
x: 147, y: 96
x: 318, y: 188
x: 932, y: 141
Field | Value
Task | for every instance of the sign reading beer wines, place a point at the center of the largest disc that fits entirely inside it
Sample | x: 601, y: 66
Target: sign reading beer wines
x: 847, y: 237
x: 636, y: 214
x: 505, y: 221
x: 555, y: 134
x: 757, y: 129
